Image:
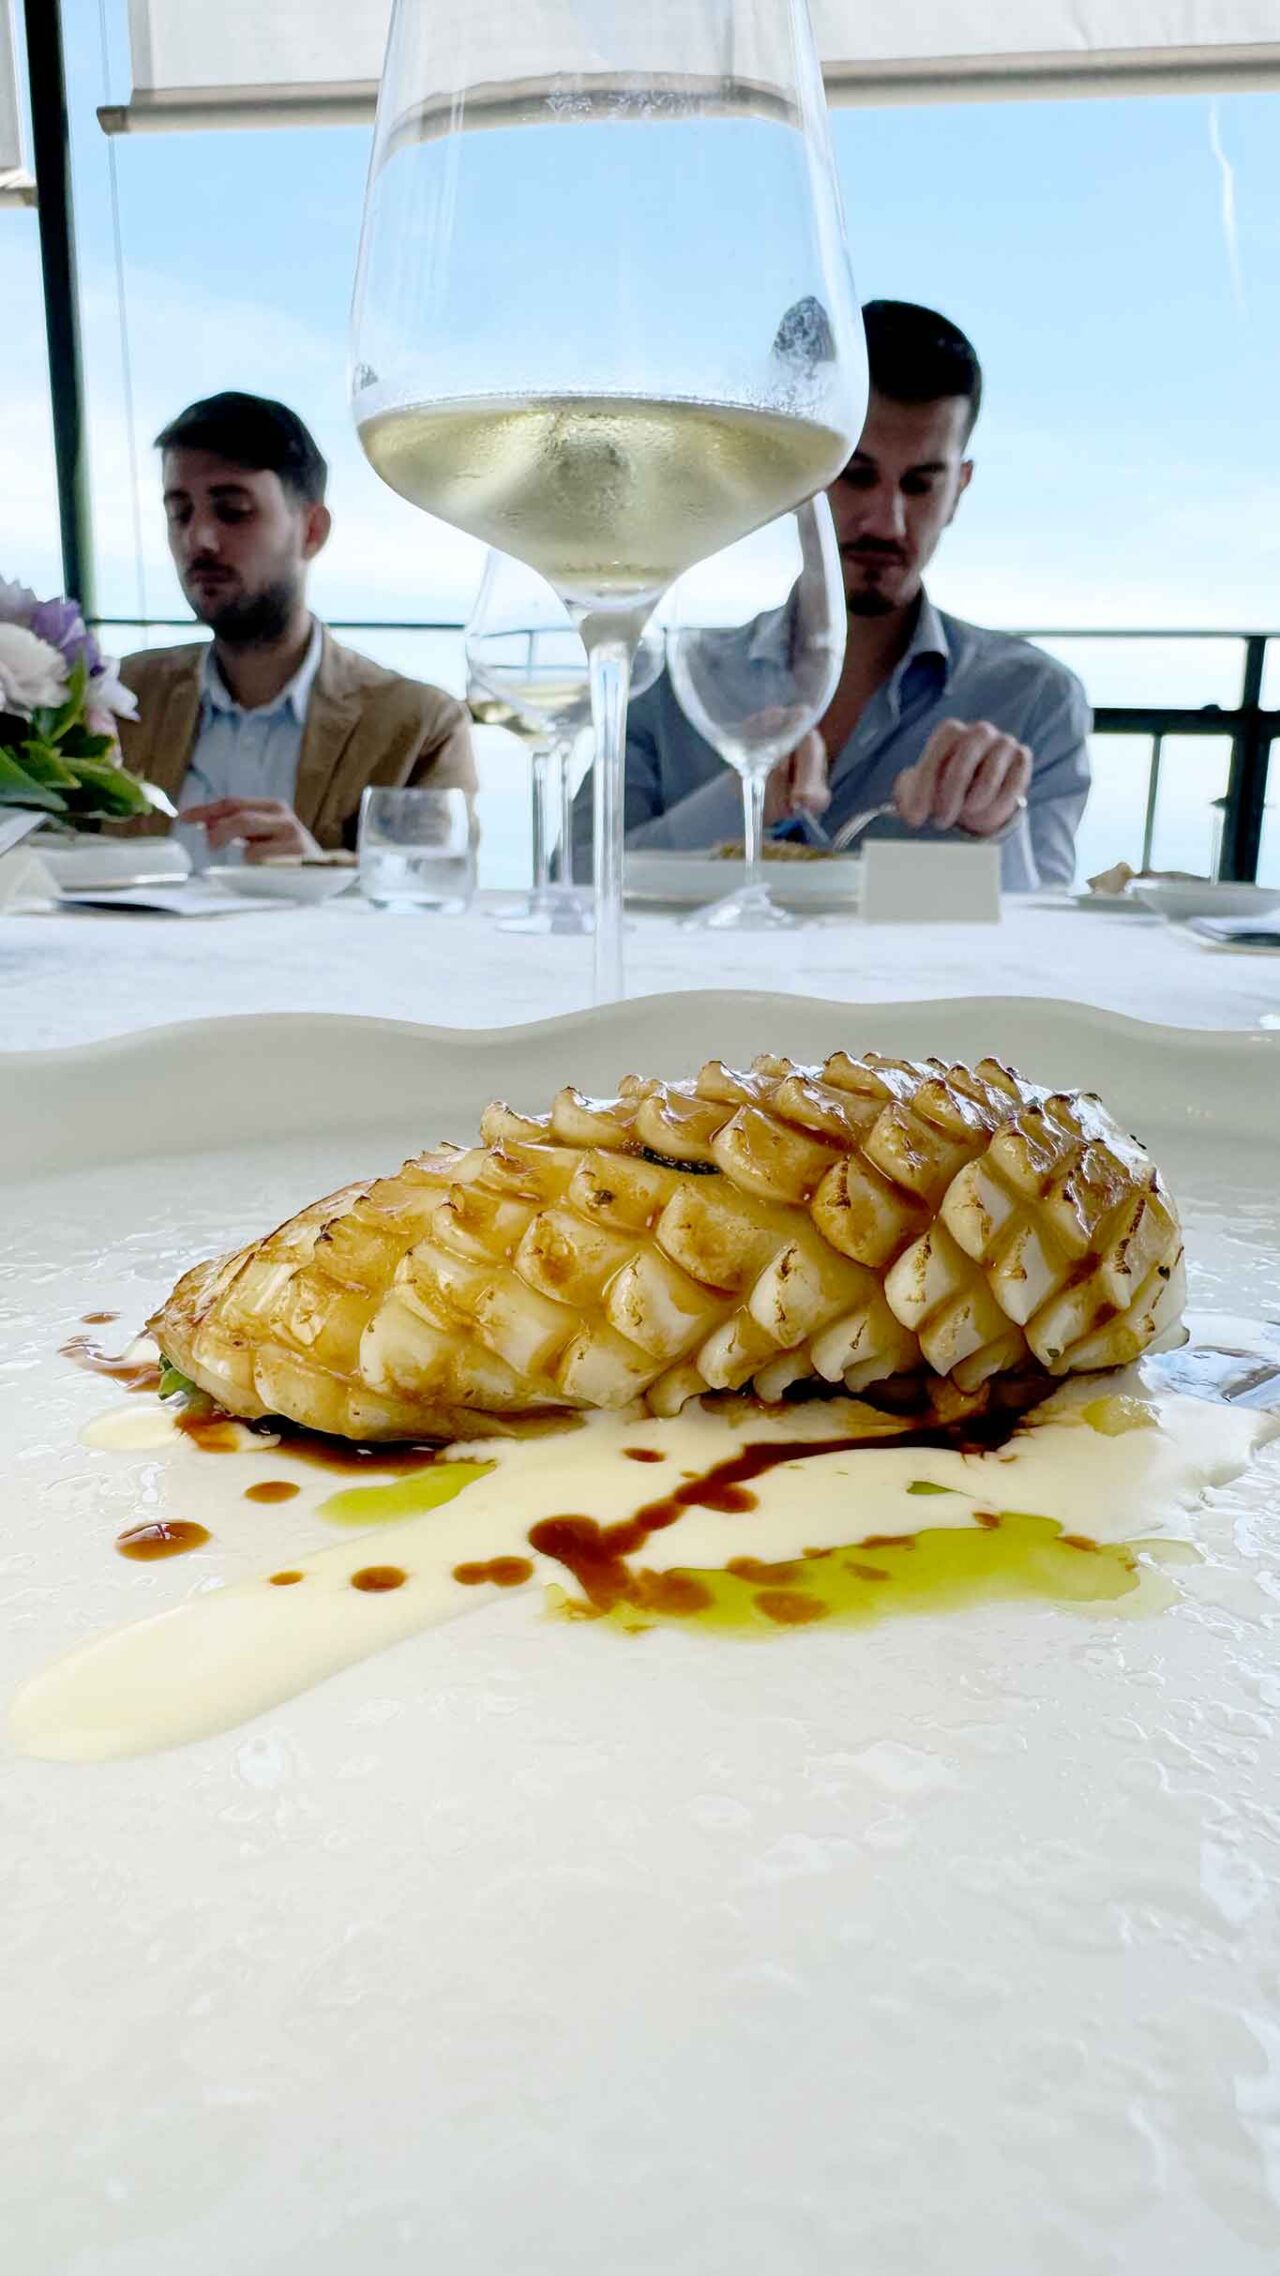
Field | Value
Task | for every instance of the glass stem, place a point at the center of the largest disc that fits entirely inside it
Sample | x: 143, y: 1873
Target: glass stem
x: 610, y: 682
x: 538, y: 759
x: 753, y: 790
x: 566, y: 814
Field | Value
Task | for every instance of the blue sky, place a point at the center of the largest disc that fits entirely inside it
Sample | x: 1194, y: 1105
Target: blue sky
x: 1128, y: 457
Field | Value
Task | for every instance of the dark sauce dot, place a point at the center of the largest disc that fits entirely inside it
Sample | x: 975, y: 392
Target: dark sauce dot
x: 161, y: 1537
x: 375, y: 1578
x: 504, y: 1572
x: 272, y: 1490
x: 790, y: 1608
x: 284, y: 1580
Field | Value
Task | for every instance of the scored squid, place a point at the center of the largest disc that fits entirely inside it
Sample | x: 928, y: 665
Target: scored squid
x: 833, y: 1225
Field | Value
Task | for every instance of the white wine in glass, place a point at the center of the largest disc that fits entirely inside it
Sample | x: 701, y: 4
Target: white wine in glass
x: 603, y: 316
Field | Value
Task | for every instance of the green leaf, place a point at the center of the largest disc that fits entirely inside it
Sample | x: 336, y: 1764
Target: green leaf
x: 926, y: 1486
x: 78, y: 743
x: 18, y: 788
x: 172, y: 1380
x: 46, y: 765
x: 106, y: 790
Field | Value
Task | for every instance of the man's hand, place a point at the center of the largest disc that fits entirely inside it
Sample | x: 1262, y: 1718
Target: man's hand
x: 266, y: 827
x: 967, y: 777
x: 799, y: 784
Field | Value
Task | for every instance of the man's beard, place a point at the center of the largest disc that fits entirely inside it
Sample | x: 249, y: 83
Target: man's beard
x: 255, y: 620
x: 868, y: 600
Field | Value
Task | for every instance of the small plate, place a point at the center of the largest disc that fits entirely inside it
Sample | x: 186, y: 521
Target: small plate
x: 101, y: 865
x: 264, y: 881
x: 689, y: 880
x: 1179, y: 898
x: 1111, y: 904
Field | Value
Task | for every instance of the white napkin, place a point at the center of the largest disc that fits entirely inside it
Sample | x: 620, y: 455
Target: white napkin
x: 25, y: 883
x: 193, y: 899
x: 1259, y: 933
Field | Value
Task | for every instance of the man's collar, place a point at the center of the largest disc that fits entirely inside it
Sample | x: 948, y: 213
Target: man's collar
x: 928, y: 641
x: 294, y: 696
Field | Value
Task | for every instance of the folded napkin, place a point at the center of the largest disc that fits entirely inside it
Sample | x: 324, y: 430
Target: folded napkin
x: 1237, y: 932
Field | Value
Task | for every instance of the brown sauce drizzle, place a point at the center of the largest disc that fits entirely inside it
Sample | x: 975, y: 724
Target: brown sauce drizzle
x: 272, y: 1490
x: 504, y: 1572
x: 597, y: 1554
x: 133, y: 1374
x: 161, y: 1537
x: 643, y: 1454
x: 376, y: 1578
x: 97, y: 1319
x: 215, y: 1432
x: 285, y: 1580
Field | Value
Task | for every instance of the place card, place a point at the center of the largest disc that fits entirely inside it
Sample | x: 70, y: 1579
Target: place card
x: 907, y: 881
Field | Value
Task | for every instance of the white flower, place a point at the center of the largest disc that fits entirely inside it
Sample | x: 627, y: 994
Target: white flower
x: 32, y: 674
x: 16, y: 603
x: 107, y: 692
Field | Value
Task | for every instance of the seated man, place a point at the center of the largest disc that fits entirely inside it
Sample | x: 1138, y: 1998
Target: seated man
x: 956, y: 725
x: 266, y: 736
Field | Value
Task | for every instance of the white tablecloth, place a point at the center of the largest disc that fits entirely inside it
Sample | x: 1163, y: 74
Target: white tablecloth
x: 67, y: 979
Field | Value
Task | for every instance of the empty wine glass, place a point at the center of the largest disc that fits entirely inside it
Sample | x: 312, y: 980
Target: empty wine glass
x: 529, y: 672
x: 489, y: 710
x: 660, y: 176
x: 754, y: 649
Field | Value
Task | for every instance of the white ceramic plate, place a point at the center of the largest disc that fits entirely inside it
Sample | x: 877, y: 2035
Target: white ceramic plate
x: 689, y: 880
x: 526, y: 1948
x: 262, y: 881
x: 1111, y: 904
x: 98, y: 864
x: 1179, y: 898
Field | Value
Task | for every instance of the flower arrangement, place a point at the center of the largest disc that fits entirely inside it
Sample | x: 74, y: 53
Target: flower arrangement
x: 60, y: 698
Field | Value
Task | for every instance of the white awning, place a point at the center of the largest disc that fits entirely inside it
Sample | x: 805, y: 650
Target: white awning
x: 310, y: 62
x: 16, y: 184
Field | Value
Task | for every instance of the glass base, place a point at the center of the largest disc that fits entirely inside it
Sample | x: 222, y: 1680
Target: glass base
x: 410, y: 906
x: 559, y: 910
x: 750, y: 910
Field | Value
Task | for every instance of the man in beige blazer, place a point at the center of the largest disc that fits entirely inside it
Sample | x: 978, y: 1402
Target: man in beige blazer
x: 266, y: 736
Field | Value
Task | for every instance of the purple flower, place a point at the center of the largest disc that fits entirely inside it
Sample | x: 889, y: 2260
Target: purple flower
x: 17, y: 603
x: 61, y: 624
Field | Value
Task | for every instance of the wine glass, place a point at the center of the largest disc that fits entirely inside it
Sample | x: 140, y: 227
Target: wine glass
x: 754, y: 651
x: 529, y: 672
x: 510, y: 609
x: 603, y: 312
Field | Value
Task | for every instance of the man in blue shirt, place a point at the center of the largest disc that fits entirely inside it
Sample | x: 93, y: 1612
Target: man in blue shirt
x: 957, y: 726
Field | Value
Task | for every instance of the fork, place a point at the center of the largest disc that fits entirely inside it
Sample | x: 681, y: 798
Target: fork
x: 857, y: 823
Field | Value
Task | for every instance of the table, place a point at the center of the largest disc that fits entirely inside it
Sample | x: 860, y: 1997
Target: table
x: 68, y: 979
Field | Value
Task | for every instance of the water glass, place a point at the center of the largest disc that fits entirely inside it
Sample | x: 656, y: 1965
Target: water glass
x: 417, y: 849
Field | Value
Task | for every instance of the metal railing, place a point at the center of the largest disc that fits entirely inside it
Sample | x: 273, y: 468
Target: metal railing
x: 1247, y: 724
x: 1251, y: 729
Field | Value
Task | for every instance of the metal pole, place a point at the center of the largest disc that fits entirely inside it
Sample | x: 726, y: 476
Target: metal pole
x: 52, y: 148
x: 1153, y: 800
x: 1247, y: 782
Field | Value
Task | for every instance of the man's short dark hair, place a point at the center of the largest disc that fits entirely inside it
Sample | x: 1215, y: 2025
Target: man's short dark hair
x: 917, y: 356
x: 254, y: 432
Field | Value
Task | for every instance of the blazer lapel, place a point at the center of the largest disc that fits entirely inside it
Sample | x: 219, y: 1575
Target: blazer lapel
x: 332, y: 715
x: 175, y: 733
x: 160, y: 747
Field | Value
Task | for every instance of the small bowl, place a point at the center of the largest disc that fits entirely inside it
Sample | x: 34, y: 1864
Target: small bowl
x: 281, y: 881
x: 1179, y: 898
